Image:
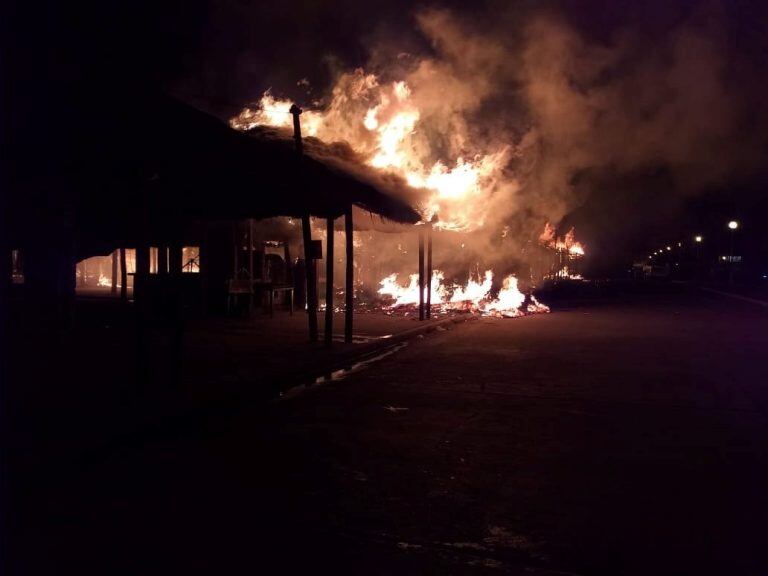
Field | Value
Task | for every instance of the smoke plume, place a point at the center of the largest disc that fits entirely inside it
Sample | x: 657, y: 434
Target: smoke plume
x: 552, y: 118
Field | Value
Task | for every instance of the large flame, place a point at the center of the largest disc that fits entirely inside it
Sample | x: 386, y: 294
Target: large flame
x: 382, y: 123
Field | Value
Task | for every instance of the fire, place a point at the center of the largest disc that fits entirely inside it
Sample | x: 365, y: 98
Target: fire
x: 274, y: 112
x: 383, y: 124
x: 104, y: 281
x: 409, y: 294
x: 568, y: 251
x: 568, y: 243
x: 474, y: 296
x: 470, y: 295
x: 509, y: 300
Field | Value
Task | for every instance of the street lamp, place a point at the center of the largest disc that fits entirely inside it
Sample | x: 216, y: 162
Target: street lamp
x: 732, y: 225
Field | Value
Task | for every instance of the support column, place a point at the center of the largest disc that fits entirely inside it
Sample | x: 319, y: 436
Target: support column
x: 113, y: 288
x: 349, y: 289
x: 162, y: 260
x: 175, y: 306
x: 236, y: 249
x: 421, y: 272
x: 123, y: 276
x: 309, y: 265
x: 429, y: 271
x: 329, y: 282
x: 175, y: 260
x: 141, y: 276
x: 250, y: 267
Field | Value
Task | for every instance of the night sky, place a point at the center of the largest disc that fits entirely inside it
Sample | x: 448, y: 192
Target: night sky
x: 64, y: 61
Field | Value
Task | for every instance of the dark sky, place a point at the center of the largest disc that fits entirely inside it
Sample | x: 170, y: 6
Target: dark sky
x: 61, y: 58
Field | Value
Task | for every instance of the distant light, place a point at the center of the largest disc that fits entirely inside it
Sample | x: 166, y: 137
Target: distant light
x: 733, y: 224
x: 679, y: 243
x: 669, y: 247
x: 724, y: 258
x: 698, y: 238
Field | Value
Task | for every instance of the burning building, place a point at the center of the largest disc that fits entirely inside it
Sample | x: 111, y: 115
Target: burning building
x: 461, y: 190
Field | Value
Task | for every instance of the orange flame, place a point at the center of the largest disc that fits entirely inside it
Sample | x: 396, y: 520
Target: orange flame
x: 474, y: 296
x: 382, y: 122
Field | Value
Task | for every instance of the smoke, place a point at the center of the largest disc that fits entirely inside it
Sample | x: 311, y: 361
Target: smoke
x: 574, y: 122
x: 622, y: 109
x: 589, y: 121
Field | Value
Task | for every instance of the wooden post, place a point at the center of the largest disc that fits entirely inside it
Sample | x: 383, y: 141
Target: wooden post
x: 141, y: 276
x: 204, y: 267
x: 175, y: 259
x: 309, y: 263
x: 349, y: 289
x: 113, y: 288
x: 421, y: 272
x: 175, y: 306
x: 236, y: 251
x: 250, y: 267
x: 329, y: 282
x: 429, y: 271
x: 123, y: 276
x: 162, y: 259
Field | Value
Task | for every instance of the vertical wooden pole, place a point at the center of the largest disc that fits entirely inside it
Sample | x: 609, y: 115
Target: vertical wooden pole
x: 123, y: 276
x: 236, y: 249
x: 141, y: 276
x: 429, y: 270
x: 329, y: 282
x: 162, y: 259
x: 288, y: 264
x: 113, y: 288
x: 204, y: 267
x: 349, y: 289
x: 309, y: 263
x: 251, y: 276
x: 176, y: 304
x: 421, y: 272
x: 175, y: 259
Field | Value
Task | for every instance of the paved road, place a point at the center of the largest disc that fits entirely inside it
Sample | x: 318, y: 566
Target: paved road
x: 625, y: 438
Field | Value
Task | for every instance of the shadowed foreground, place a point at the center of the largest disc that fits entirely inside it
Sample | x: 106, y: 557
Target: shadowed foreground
x: 627, y: 438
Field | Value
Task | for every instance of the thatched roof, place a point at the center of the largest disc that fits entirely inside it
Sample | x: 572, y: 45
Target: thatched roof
x: 156, y: 161
x: 217, y: 171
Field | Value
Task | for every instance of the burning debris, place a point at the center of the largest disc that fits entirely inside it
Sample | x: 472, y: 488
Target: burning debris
x: 474, y: 297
